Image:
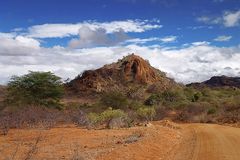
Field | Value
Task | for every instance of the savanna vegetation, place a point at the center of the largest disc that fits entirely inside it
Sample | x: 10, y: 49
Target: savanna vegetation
x: 35, y: 100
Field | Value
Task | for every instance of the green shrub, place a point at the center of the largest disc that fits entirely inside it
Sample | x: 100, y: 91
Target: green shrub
x: 170, y: 98
x: 35, y: 88
x: 114, y: 99
x: 110, y: 114
x: 196, y: 96
x: 134, y: 105
x: 93, y: 118
x: 105, y: 116
x: 211, y: 111
x: 154, y: 99
x: 147, y: 113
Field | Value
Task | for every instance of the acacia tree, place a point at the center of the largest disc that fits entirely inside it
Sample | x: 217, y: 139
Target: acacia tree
x: 35, y: 88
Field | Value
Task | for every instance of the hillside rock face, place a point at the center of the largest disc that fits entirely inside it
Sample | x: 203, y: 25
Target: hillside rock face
x: 219, y: 81
x: 130, y: 70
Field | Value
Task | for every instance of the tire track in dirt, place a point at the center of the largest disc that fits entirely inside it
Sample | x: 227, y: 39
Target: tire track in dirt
x: 208, y: 142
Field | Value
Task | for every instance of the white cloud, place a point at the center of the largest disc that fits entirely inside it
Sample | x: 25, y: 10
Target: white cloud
x: 204, y: 19
x: 201, y: 43
x: 16, y: 46
x: 199, y: 27
x: 169, y: 39
x: 231, y: 19
x: 223, y: 38
x: 7, y: 35
x: 228, y: 19
x: 166, y: 39
x: 66, y: 30
x: 209, y: 20
x: 142, y: 40
x: 28, y: 42
x: 99, y: 37
x: 196, y: 62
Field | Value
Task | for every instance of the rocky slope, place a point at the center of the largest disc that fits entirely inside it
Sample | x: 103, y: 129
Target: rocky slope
x: 131, y: 70
x: 219, y: 81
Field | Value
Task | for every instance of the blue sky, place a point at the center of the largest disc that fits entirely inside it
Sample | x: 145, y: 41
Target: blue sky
x: 58, y: 35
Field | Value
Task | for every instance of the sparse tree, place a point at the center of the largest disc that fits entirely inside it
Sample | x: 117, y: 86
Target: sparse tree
x: 35, y: 88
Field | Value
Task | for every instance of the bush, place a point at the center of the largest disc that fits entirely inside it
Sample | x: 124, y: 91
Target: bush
x: 106, y: 116
x: 34, y: 117
x: 114, y: 99
x: 93, y: 118
x: 211, y: 111
x: 35, y: 88
x: 4, y: 125
x: 29, y: 117
x: 146, y: 113
x: 76, y: 116
x: 134, y: 105
x: 110, y: 114
x: 194, y: 112
x: 171, y: 96
x: 196, y: 96
x: 154, y: 99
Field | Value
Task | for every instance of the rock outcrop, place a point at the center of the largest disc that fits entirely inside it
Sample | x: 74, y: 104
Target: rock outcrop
x: 130, y: 70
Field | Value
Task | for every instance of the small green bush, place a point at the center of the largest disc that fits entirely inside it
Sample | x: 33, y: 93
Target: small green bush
x: 196, y: 96
x: 170, y: 96
x: 105, y: 116
x: 110, y: 114
x: 154, y: 99
x: 211, y: 111
x: 115, y: 100
x: 147, y: 113
x: 93, y: 118
x: 134, y: 105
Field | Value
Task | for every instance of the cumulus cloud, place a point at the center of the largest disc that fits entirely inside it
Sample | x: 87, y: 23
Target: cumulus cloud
x: 66, y: 30
x: 99, y: 37
x: 7, y: 35
x: 28, y: 42
x: 223, y: 38
x: 196, y: 62
x: 228, y: 19
x: 15, y: 46
x: 231, y: 19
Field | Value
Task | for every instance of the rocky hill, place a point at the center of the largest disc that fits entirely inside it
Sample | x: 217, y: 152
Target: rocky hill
x: 131, y: 70
x: 219, y: 81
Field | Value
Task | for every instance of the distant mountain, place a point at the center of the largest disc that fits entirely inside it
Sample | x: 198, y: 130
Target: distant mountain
x: 128, y: 71
x: 219, y: 81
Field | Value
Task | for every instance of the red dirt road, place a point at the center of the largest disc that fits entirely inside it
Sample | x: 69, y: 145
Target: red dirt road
x: 159, y: 141
x: 209, y: 142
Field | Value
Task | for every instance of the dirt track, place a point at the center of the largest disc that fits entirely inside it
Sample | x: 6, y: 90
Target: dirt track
x: 209, y: 142
x: 159, y: 141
